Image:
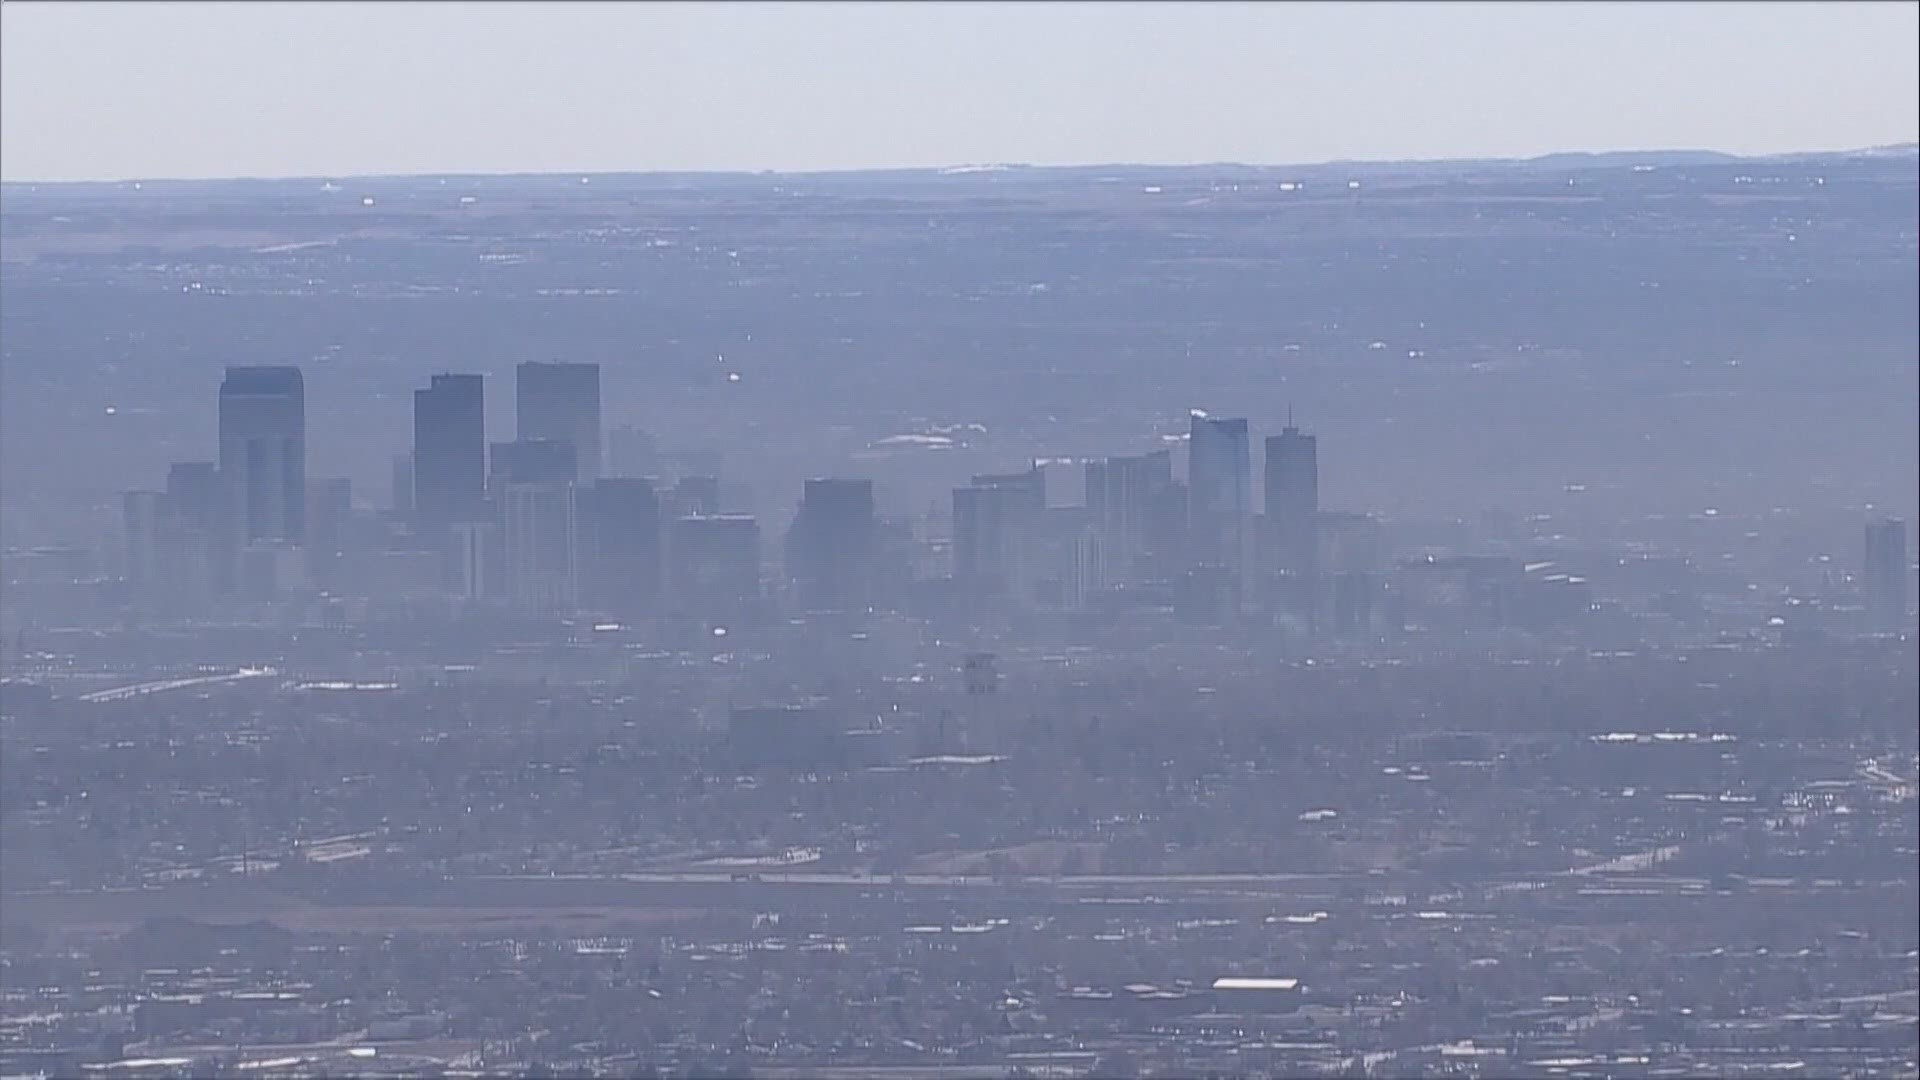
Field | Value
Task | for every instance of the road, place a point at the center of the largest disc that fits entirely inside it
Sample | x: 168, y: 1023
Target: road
x: 161, y: 686
x: 1071, y: 881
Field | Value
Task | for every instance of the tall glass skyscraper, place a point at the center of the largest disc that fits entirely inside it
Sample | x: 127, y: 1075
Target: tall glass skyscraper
x: 449, y: 452
x: 1219, y: 493
x: 1293, y: 501
x: 561, y: 402
x: 1886, y: 574
x: 830, y: 546
x: 263, y: 453
x: 1122, y: 494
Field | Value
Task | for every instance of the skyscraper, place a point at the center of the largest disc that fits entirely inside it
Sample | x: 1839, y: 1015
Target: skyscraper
x: 1290, y: 536
x: 176, y: 538
x: 713, y: 564
x: 561, y: 402
x: 449, y: 453
x: 1293, y: 500
x: 533, y: 461
x: 1886, y: 574
x: 1061, y: 563
x: 1121, y: 492
x: 620, y: 545
x: 992, y: 519
x: 1219, y: 494
x: 830, y: 545
x: 540, y: 538
x: 263, y: 453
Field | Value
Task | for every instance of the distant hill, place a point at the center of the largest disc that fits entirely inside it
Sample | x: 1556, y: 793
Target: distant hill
x: 1893, y: 152
x: 1581, y: 159
x: 1017, y: 172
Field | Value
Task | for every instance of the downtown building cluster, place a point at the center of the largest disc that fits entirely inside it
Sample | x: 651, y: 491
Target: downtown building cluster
x: 544, y: 525
x: 562, y: 520
x: 528, y: 525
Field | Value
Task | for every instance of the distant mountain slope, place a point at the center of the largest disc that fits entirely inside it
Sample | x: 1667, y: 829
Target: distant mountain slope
x: 1016, y: 171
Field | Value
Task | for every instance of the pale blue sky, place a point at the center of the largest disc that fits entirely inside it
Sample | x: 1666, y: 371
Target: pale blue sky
x: 99, y: 90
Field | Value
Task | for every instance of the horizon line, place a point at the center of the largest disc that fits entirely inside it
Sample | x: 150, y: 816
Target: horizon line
x: 1896, y: 148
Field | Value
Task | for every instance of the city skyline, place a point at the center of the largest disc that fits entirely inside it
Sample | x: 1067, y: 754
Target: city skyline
x: 537, y: 536
x: 672, y: 541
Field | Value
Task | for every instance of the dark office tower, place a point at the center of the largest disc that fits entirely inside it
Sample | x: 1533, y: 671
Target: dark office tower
x: 1290, y: 537
x: 561, y: 402
x: 1029, y: 487
x: 449, y: 453
x: 1293, y: 500
x: 1120, y: 496
x: 993, y: 519
x: 196, y: 551
x: 1886, y: 574
x: 533, y: 461
x: 1219, y: 493
x: 830, y: 545
x: 1167, y: 534
x: 263, y: 453
x: 193, y: 492
x: 713, y: 565
x: 621, y: 545
x: 632, y: 452
x: 192, y: 561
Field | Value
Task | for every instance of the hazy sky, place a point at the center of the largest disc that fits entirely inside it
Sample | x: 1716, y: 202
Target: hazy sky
x: 105, y: 90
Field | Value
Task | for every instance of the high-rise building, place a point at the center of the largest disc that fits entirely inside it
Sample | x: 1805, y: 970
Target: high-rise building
x: 449, y: 468
x: 1061, y: 561
x: 1290, y: 534
x: 533, y: 461
x: 263, y: 453
x: 1121, y: 494
x: 831, y: 545
x: 621, y: 545
x: 1293, y: 501
x: 992, y: 520
x: 1219, y: 494
x: 1030, y: 486
x: 477, y: 560
x: 1167, y: 534
x: 713, y: 564
x: 193, y: 534
x: 540, y: 546
x: 561, y: 402
x: 1886, y: 574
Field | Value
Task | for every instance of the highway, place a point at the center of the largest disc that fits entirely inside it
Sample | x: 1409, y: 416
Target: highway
x: 161, y: 686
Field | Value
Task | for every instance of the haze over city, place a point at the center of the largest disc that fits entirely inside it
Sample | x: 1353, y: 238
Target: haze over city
x: 935, y: 542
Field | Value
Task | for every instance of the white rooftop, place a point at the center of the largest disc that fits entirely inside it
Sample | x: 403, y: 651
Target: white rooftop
x: 1235, y: 982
